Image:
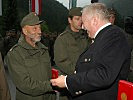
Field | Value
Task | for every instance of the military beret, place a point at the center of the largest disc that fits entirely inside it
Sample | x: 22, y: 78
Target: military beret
x: 30, y: 19
x: 76, y: 11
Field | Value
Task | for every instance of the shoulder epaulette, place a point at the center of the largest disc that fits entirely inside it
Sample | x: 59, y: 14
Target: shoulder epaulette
x: 63, y: 33
x: 13, y: 47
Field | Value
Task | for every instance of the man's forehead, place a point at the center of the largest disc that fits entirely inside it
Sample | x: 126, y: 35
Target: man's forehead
x: 30, y: 27
x: 76, y: 16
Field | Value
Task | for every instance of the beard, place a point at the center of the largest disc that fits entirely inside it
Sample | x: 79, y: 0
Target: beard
x: 34, y: 37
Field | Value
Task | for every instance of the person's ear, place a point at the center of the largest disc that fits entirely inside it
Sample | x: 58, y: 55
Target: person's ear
x: 94, y: 20
x: 69, y: 20
x: 24, y: 30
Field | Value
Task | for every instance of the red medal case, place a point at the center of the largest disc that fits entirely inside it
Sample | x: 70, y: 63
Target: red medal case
x: 55, y: 73
x: 125, y: 90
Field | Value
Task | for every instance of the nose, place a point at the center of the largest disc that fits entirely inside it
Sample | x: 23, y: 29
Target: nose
x: 39, y: 31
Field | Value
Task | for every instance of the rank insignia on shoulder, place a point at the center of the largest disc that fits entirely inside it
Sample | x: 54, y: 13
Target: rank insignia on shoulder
x: 13, y: 47
x: 61, y: 34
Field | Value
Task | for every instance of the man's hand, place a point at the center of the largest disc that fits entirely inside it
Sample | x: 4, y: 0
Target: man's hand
x: 60, y: 81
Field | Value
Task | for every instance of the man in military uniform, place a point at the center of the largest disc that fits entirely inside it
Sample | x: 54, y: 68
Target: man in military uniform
x: 29, y: 63
x: 71, y: 43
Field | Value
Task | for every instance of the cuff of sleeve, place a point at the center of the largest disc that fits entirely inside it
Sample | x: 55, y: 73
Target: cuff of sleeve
x: 65, y: 82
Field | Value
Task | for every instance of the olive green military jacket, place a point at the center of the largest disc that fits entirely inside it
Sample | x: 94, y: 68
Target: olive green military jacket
x: 4, y: 90
x: 31, y: 71
x: 67, y: 48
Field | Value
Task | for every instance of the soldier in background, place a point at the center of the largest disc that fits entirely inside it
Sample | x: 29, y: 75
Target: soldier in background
x: 112, y: 15
x: 70, y: 44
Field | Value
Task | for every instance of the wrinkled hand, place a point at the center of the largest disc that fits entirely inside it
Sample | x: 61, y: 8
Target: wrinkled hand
x: 60, y: 81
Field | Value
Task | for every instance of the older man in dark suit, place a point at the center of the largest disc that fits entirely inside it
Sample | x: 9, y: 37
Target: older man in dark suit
x: 103, y: 64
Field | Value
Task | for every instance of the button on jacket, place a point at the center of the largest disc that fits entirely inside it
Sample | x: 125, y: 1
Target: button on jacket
x: 31, y: 71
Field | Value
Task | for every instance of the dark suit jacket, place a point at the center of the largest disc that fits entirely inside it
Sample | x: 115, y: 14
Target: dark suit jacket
x: 99, y: 68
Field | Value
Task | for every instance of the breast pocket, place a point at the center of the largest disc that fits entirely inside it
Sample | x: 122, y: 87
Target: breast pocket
x: 33, y: 68
x: 73, y: 47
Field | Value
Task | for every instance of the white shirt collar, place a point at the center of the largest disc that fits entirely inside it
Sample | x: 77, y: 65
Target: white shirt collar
x: 101, y: 28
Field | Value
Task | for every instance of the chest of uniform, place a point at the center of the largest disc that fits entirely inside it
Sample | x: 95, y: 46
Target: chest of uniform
x: 37, y: 59
x: 74, y: 45
x: 36, y: 62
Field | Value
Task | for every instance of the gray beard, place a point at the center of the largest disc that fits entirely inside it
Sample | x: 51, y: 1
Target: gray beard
x: 32, y: 37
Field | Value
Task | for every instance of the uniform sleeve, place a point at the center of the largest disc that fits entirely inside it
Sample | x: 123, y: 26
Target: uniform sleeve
x: 4, y: 90
x: 109, y: 61
x: 61, y: 57
x: 23, y: 80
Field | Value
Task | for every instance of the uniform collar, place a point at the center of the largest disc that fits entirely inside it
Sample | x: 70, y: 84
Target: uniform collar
x: 74, y: 34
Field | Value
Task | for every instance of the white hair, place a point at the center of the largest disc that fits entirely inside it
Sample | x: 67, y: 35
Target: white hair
x: 96, y: 9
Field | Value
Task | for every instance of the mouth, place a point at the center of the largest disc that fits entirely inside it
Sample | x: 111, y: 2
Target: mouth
x: 39, y: 34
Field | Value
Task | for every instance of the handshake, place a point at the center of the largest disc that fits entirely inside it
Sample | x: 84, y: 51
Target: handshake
x: 58, y: 80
